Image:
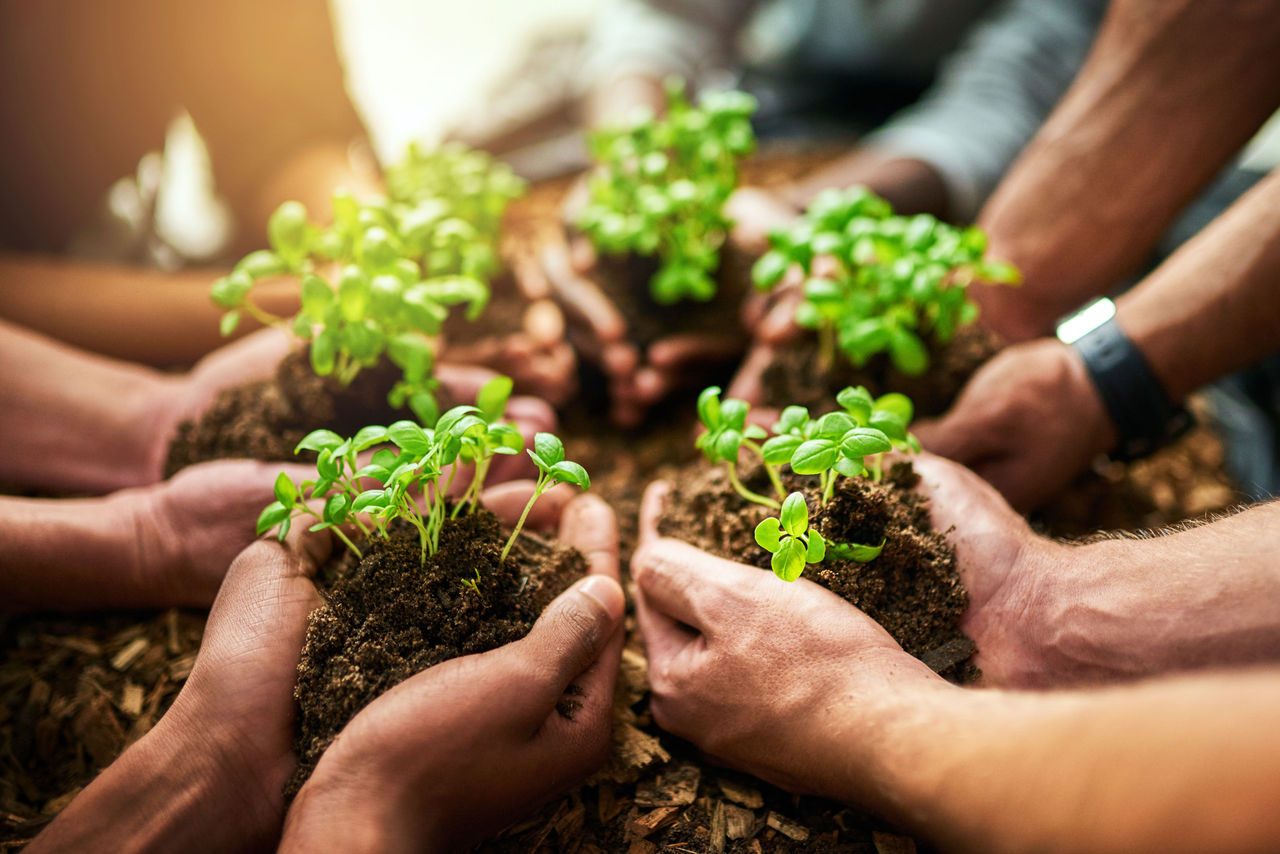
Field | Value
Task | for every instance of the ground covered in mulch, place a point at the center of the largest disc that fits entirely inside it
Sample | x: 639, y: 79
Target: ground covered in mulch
x: 389, y: 615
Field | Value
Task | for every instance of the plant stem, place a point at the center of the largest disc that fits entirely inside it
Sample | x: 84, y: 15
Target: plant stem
x: 261, y: 315
x: 828, y: 485
x: 826, y: 347
x: 768, y: 469
x: 753, y: 497
x: 347, y: 540
x: 515, y: 532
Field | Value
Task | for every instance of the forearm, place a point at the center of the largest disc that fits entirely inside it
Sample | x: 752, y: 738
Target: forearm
x: 129, y: 313
x: 1219, y: 291
x: 1168, y: 94
x: 1207, y: 596
x: 911, y: 186
x: 1185, y: 764
x: 77, y: 422
x: 167, y: 792
x: 77, y: 554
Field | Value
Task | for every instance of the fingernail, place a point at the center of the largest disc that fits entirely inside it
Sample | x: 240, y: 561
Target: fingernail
x: 607, y: 592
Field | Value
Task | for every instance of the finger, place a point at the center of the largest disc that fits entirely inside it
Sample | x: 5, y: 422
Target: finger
x: 572, y: 633
x: 685, y: 582
x: 748, y: 383
x: 958, y: 437
x: 530, y: 414
x: 590, y: 525
x: 507, y: 501
x: 581, y: 297
x: 620, y: 360
x: 582, y: 255
x: 675, y: 351
x: 651, y: 385
x: 544, y: 322
x: 779, y: 325
x: 462, y: 382
x: 664, y: 638
x: 530, y: 278
x: 651, y: 507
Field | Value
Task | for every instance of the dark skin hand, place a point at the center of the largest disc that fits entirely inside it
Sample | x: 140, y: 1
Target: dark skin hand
x: 225, y: 747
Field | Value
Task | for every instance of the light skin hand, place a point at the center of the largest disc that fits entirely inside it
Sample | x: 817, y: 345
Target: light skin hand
x: 1029, y: 421
x: 464, y: 748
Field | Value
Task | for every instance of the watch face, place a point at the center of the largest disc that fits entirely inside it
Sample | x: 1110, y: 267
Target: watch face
x: 1084, y: 321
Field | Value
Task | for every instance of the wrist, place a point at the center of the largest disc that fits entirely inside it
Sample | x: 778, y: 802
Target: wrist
x: 162, y: 407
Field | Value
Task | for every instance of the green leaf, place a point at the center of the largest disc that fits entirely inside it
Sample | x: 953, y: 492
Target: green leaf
x: 566, y: 471
x: 285, y: 489
x: 780, y: 449
x: 795, y: 515
x: 287, y: 229
x: 898, y: 404
x: 261, y: 264
x: 855, y: 552
x: 317, y: 296
x: 228, y: 323
x: 908, y: 352
x: 864, y: 442
x: 273, y: 514
x: 493, y: 397
x: 319, y: 440
x: 367, y: 437
x: 709, y: 407
x: 733, y: 413
x: 817, y: 548
x: 370, y: 498
x: 788, y: 562
x: 375, y: 471
x: 410, y: 437
x: 768, y: 535
x: 814, y: 456
x: 999, y: 272
x: 548, y: 448
x: 891, y: 424
x: 793, y: 418
x: 769, y: 270
x: 849, y: 467
x: 324, y: 351
x: 727, y: 444
x: 857, y: 402
x: 423, y: 404
x: 834, y: 425
x: 335, y: 509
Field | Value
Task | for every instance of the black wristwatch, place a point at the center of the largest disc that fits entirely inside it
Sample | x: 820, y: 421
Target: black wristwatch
x: 1144, y: 416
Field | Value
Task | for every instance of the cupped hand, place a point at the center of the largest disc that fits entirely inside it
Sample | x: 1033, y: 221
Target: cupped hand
x: 762, y: 674
x: 755, y: 213
x: 466, y: 747
x: 1029, y: 421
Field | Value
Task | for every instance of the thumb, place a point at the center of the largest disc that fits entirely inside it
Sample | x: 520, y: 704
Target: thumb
x: 573, y: 631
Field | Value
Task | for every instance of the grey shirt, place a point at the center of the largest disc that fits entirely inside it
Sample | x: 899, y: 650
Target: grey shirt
x: 1001, y: 66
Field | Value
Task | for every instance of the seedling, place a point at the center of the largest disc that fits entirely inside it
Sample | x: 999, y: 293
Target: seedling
x: 548, y: 455
x: 661, y: 184
x: 891, y: 284
x: 849, y: 442
x: 414, y: 467
x: 382, y: 278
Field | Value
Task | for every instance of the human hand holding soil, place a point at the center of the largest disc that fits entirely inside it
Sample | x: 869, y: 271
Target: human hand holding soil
x: 210, y: 774
x: 1029, y: 421
x: 467, y: 746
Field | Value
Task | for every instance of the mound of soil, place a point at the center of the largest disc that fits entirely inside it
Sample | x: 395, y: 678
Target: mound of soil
x: 912, y: 589
x: 794, y: 376
x: 265, y: 420
x: 625, y: 279
x: 388, y: 616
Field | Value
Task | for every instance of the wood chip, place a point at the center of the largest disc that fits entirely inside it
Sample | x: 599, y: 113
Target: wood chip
x: 646, y: 824
x: 96, y: 726
x: 131, y: 698
x: 180, y: 668
x: 787, y: 827
x: 717, y: 829
x: 676, y: 788
x: 739, y: 823
x: 641, y: 846
x: 741, y: 793
x: 891, y: 843
x: 125, y: 658
x: 608, y: 804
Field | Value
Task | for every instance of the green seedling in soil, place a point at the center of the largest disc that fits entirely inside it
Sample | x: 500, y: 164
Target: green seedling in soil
x: 787, y: 537
x: 660, y: 187
x: 382, y: 278
x: 415, y: 468
x: 891, y: 284
x: 548, y: 455
x: 727, y: 434
x: 849, y: 442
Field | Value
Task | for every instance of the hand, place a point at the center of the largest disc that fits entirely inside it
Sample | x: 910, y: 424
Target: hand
x: 637, y: 380
x: 766, y: 675
x: 225, y: 747
x: 1028, y: 421
x: 755, y: 212
x: 468, y: 746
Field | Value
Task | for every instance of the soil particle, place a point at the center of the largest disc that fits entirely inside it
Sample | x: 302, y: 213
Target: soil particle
x: 795, y: 376
x: 912, y: 589
x: 265, y: 420
x: 388, y: 616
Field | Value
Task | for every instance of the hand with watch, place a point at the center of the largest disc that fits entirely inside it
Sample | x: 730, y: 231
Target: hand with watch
x: 1039, y: 413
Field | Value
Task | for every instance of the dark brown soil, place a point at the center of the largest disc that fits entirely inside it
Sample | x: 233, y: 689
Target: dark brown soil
x: 795, y: 377
x: 625, y: 279
x: 389, y: 616
x: 503, y: 316
x: 912, y: 588
x: 265, y: 420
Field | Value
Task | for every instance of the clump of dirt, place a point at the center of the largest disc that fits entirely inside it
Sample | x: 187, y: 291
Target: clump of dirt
x: 265, y: 420
x: 388, y: 616
x: 796, y: 377
x: 625, y: 280
x: 912, y: 589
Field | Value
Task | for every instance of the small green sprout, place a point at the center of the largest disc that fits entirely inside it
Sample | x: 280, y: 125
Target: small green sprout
x: 727, y: 434
x: 548, y: 455
x: 787, y: 537
x: 898, y: 282
x: 661, y: 184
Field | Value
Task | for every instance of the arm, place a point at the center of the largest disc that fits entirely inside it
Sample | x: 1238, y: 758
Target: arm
x: 139, y: 315
x: 1168, y: 94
